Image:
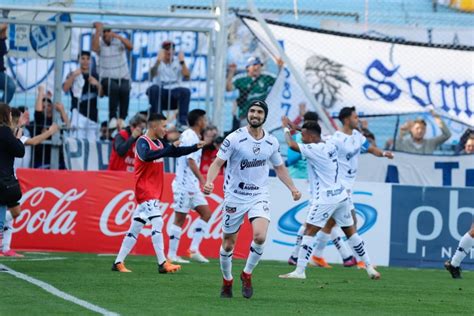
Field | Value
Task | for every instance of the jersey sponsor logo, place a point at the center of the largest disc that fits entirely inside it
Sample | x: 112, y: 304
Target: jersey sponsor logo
x: 334, y: 192
x: 226, y: 143
x: 248, y: 186
x: 252, y: 163
x: 352, y: 154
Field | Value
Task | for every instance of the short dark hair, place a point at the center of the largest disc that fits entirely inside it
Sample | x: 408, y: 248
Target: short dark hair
x: 194, y: 116
x: 137, y: 119
x: 313, y: 127
x: 22, y: 108
x: 156, y: 117
x: 85, y: 53
x: 345, y: 113
x: 48, y: 100
x: 16, y: 113
x: 420, y: 121
x: 311, y: 116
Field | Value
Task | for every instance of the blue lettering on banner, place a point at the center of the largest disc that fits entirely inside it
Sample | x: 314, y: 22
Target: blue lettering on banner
x: 447, y: 168
x: 455, y: 96
x: 427, y: 224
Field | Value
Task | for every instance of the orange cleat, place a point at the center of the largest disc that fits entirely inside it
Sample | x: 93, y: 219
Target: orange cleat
x: 360, y: 265
x: 168, y: 267
x: 319, y: 262
x: 120, y: 267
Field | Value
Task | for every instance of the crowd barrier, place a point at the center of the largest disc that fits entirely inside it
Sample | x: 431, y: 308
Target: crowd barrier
x: 90, y: 212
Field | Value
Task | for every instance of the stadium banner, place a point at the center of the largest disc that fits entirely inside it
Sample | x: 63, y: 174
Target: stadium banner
x: 442, y: 36
x: 420, y: 170
x: 373, y: 211
x: 376, y: 76
x: 85, y: 155
x: 427, y: 224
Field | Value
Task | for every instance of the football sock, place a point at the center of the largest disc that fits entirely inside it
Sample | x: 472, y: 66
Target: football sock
x: 337, y: 236
x: 463, y: 249
x: 129, y: 240
x: 175, y: 235
x: 157, y: 238
x: 320, y: 243
x: 299, y: 237
x: 7, y: 232
x: 358, y: 245
x: 225, y: 259
x: 199, y: 230
x: 306, y: 249
x: 256, y: 252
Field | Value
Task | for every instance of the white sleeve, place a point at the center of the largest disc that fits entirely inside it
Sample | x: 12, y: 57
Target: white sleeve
x: 23, y: 139
x: 306, y: 150
x: 227, y: 148
x: 275, y: 158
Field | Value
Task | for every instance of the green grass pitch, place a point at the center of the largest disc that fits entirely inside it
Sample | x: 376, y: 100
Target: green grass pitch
x: 195, y: 289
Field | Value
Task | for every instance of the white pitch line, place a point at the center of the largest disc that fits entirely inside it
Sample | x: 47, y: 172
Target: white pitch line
x: 51, y: 289
x: 32, y: 259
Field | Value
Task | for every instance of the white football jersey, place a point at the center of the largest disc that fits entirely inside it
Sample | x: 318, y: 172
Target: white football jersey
x: 323, y: 173
x: 246, y: 174
x: 349, y: 148
x: 185, y: 179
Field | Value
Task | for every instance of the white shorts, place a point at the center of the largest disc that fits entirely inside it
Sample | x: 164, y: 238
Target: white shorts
x: 147, y: 209
x: 234, y: 213
x: 184, y: 200
x: 319, y: 214
x: 349, y: 197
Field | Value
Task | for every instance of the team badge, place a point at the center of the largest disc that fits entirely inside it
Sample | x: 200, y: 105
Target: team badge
x: 256, y: 149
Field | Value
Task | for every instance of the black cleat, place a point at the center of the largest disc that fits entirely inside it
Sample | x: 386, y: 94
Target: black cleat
x: 226, y: 290
x: 247, y: 289
x: 455, y: 271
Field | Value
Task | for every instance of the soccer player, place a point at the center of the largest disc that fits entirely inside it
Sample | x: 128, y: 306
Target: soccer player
x: 149, y: 183
x: 187, y: 193
x: 248, y: 152
x: 329, y: 198
x: 349, y: 143
x: 464, y: 248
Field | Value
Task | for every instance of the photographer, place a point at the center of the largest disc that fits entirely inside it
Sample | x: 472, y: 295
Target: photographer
x: 10, y: 147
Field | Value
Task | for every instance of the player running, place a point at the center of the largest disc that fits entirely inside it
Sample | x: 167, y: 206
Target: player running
x: 248, y: 152
x: 187, y: 192
x: 349, y: 143
x: 329, y: 198
x: 149, y: 183
x: 464, y: 248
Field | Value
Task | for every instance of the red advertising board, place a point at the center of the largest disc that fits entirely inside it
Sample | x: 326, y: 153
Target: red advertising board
x: 87, y: 211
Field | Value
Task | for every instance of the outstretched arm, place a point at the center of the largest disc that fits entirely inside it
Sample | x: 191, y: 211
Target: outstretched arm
x: 379, y: 153
x: 282, y: 174
x: 290, y: 141
x: 146, y: 154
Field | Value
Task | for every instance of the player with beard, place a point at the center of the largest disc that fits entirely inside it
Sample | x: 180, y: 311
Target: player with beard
x: 248, y: 152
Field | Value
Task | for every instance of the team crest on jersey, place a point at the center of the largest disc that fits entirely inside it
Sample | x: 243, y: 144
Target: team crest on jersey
x: 256, y: 149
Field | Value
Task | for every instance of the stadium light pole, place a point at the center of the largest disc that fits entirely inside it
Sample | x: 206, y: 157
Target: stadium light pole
x: 322, y: 114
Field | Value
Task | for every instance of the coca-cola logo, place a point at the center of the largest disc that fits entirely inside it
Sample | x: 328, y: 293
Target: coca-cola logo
x: 59, y: 219
x: 117, y: 214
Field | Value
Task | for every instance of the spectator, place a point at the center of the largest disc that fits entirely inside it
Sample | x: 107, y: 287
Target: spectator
x: 113, y: 70
x: 43, y: 120
x: 172, y: 134
x: 167, y: 75
x: 123, y: 145
x: 295, y: 162
x: 209, y: 151
x: 469, y: 146
x: 10, y: 148
x: 7, y: 85
x: 105, y: 131
x: 469, y: 133
x: 84, y: 88
x: 254, y: 86
x: 416, y: 142
x: 19, y: 120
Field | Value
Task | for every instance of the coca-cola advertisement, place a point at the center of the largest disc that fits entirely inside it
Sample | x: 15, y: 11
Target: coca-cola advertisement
x: 87, y: 211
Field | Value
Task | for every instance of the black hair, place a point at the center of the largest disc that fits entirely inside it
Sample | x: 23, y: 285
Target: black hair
x: 156, y: 117
x: 85, y: 52
x: 311, y: 116
x: 345, y: 113
x: 16, y: 113
x: 47, y: 100
x: 194, y: 116
x: 22, y: 108
x: 104, y: 124
x: 312, y: 127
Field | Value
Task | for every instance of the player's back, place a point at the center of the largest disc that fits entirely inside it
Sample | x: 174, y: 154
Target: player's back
x: 323, y: 171
x: 185, y: 178
x: 149, y: 176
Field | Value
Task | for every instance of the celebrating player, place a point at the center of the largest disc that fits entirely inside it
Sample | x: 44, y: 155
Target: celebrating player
x: 349, y: 143
x: 464, y: 248
x: 329, y: 198
x: 149, y: 183
x: 187, y: 193
x: 248, y: 152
